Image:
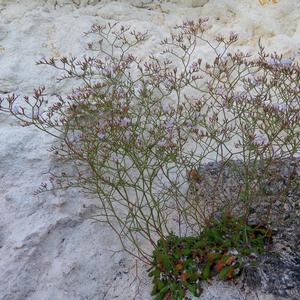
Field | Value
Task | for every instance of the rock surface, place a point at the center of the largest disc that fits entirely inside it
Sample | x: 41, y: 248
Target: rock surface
x: 278, y: 270
x: 49, y: 248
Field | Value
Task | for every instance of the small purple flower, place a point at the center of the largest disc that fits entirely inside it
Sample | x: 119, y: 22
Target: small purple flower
x: 284, y: 62
x: 166, y: 108
x: 282, y: 107
x: 161, y: 143
x: 92, y: 90
x: 260, y: 140
x: 125, y: 122
x: 233, y: 35
x: 107, y: 68
x: 219, y: 91
x: 77, y: 94
x: 169, y: 124
x: 193, y: 67
x: 239, y: 96
x: 101, y: 135
x: 37, y: 113
x: 16, y: 109
x: 76, y: 138
x: 199, y: 116
x: 117, y: 158
x: 127, y: 135
x: 138, y: 89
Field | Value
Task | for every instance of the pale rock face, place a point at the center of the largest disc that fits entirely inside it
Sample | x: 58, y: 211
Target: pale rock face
x: 49, y: 249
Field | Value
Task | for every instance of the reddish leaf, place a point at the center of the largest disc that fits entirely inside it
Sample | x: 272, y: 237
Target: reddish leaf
x: 219, y: 266
x: 184, y: 276
x: 194, y: 175
x: 179, y: 266
x: 229, y: 274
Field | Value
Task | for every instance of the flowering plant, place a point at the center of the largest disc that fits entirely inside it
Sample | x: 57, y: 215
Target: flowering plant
x: 139, y: 132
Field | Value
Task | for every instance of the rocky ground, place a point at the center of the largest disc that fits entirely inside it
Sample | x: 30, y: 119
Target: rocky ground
x: 49, y: 247
x: 277, y: 271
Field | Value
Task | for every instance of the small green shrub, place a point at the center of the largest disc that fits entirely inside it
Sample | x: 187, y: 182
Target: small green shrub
x: 179, y: 264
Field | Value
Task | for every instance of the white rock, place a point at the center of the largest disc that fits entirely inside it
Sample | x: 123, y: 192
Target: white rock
x: 48, y: 248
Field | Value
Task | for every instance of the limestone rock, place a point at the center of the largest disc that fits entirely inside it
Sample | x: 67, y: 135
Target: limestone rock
x: 49, y: 249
